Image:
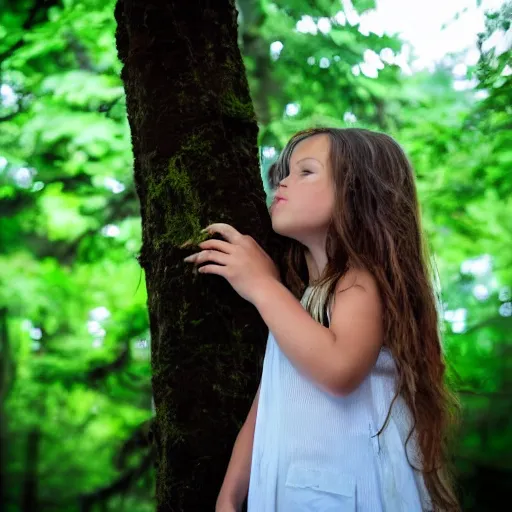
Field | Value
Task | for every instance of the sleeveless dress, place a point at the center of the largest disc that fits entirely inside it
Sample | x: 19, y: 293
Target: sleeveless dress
x: 316, y: 452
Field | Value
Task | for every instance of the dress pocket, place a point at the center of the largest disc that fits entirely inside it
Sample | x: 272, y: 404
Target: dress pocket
x: 318, y: 490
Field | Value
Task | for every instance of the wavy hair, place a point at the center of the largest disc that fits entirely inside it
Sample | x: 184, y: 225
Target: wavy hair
x: 376, y: 225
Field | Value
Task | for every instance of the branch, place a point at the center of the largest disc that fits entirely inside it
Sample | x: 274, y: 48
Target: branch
x: 107, y: 107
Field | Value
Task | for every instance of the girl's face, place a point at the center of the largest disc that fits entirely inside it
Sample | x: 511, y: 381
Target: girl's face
x: 309, y: 193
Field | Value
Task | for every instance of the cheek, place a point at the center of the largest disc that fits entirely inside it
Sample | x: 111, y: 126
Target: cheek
x: 319, y: 204
x: 314, y: 214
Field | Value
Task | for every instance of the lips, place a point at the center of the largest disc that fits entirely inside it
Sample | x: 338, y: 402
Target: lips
x: 277, y: 201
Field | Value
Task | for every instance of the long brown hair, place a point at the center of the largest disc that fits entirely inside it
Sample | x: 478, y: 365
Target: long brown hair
x: 376, y: 225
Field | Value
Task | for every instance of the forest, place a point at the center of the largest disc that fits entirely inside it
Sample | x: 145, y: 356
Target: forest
x: 77, y: 389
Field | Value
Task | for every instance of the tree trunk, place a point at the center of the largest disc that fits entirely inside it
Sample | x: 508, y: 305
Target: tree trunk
x: 256, y: 48
x: 194, y: 137
x: 29, y: 495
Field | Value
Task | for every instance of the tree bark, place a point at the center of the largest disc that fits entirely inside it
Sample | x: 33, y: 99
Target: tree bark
x: 194, y: 137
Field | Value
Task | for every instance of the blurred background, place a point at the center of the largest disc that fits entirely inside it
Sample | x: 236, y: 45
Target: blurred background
x: 75, y: 389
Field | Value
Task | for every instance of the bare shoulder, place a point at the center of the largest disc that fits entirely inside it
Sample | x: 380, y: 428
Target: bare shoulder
x: 359, y: 282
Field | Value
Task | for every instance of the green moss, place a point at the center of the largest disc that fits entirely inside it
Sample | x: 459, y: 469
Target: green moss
x: 231, y: 67
x: 183, y: 226
x: 182, y: 318
x: 237, y: 335
x: 167, y: 418
x: 233, y: 107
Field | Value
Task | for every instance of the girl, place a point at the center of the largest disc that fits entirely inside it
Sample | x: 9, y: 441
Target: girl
x: 352, y: 412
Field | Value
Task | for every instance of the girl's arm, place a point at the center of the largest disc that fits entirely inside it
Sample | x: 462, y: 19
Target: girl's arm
x: 236, y: 482
x: 336, y: 358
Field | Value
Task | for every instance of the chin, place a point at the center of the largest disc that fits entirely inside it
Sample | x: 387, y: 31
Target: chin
x: 278, y: 228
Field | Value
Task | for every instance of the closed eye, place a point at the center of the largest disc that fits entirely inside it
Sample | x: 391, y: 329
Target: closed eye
x: 305, y: 170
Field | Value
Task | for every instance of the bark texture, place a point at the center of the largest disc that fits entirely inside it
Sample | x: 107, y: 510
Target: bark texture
x: 194, y: 136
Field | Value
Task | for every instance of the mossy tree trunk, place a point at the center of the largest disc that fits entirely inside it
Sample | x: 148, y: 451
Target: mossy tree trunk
x: 194, y: 137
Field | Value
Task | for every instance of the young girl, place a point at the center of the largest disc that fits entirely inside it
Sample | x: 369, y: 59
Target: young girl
x: 352, y: 412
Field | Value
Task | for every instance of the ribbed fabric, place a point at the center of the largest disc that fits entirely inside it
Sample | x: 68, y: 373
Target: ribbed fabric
x: 316, y: 452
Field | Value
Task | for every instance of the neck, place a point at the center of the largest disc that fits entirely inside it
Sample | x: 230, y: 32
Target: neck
x: 316, y: 261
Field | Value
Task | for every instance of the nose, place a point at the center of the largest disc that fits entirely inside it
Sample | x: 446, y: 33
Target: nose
x: 283, y: 180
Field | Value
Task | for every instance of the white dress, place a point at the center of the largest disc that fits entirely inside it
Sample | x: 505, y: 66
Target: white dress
x: 316, y: 452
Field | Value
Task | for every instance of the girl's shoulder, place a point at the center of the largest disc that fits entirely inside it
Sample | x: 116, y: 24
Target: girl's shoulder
x: 358, y: 278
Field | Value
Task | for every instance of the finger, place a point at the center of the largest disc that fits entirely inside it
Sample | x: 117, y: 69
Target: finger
x: 227, y: 231
x: 213, y: 269
x: 217, y: 257
x: 218, y: 245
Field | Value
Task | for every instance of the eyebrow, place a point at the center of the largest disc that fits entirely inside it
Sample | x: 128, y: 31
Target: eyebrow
x: 309, y: 158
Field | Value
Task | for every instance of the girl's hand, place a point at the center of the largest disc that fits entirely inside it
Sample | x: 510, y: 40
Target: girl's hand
x: 241, y: 260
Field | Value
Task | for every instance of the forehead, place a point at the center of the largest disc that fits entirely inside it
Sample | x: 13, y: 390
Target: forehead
x: 316, y: 146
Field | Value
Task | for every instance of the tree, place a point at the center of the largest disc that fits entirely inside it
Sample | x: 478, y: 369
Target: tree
x: 194, y: 136
x: 73, y: 292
